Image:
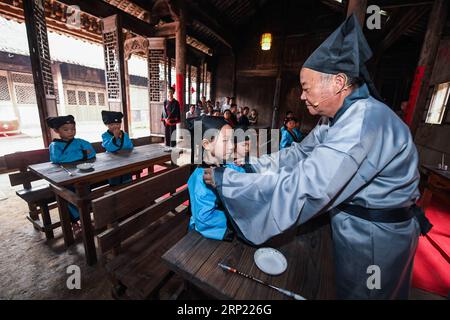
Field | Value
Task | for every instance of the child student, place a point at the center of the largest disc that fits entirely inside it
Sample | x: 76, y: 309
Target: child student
x: 208, y: 217
x: 114, y: 139
x: 68, y: 149
x: 290, y: 133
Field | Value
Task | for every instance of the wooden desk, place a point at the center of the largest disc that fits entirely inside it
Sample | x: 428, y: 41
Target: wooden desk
x: 310, y: 271
x: 438, y: 184
x: 106, y: 166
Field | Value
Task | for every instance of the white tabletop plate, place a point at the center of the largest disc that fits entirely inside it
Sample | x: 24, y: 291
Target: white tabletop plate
x: 85, y: 166
x: 270, y: 261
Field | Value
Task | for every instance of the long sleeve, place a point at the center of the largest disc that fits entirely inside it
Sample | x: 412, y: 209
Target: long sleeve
x: 85, y: 145
x: 127, y: 143
x: 111, y: 144
x: 55, y: 154
x: 286, y: 140
x: 268, y: 203
x: 206, y: 218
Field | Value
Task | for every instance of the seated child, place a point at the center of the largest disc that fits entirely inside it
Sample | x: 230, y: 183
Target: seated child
x: 290, y: 133
x: 114, y: 139
x: 208, y: 216
x: 68, y: 149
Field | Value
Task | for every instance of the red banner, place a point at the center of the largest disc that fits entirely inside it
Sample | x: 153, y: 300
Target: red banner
x: 180, y: 91
x: 414, y: 94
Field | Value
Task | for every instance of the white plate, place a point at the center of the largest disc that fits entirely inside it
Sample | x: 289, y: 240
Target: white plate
x: 85, y: 166
x: 270, y: 261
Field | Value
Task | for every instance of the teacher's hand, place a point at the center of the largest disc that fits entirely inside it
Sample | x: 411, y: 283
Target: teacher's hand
x: 208, y: 177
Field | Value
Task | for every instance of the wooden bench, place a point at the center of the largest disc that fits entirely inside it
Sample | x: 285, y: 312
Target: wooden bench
x: 38, y: 198
x: 41, y: 199
x: 141, y: 222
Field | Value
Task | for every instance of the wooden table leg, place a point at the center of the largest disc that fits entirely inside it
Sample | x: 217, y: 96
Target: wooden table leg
x: 46, y: 221
x: 82, y: 190
x: 64, y: 217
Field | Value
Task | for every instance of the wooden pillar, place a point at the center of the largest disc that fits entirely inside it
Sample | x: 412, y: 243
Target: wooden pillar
x: 276, y: 97
x: 420, y: 85
x: 188, y: 89
x: 169, y: 72
x: 234, y: 79
x: 180, y: 60
x: 40, y: 63
x: 199, y: 81
x: 60, y: 86
x: 113, y: 45
x: 127, y: 98
x: 358, y: 7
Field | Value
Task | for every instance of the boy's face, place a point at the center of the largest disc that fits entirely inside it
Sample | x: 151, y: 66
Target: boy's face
x: 66, y: 131
x: 242, y: 148
x: 222, y: 146
x: 114, y: 126
x: 290, y: 124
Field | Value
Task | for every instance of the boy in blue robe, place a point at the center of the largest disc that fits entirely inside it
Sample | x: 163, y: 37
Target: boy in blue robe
x: 115, y: 139
x: 208, y: 216
x: 290, y: 133
x: 68, y: 149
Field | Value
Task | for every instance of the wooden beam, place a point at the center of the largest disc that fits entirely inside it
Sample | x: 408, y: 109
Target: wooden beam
x: 409, y: 17
x: 358, y: 7
x: 166, y: 30
x: 401, y: 4
x: 102, y: 9
x: 420, y: 86
x: 207, y: 16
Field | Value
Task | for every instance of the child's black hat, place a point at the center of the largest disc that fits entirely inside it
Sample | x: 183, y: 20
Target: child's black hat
x: 111, y: 117
x: 207, y: 122
x: 57, y: 122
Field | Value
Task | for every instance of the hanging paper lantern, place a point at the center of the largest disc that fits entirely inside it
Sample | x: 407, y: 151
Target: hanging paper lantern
x: 266, y: 41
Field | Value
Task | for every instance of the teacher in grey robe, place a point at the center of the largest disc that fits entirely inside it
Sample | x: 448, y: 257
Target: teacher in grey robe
x: 359, y: 164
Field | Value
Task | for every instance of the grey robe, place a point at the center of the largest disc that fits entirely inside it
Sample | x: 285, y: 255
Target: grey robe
x: 366, y: 157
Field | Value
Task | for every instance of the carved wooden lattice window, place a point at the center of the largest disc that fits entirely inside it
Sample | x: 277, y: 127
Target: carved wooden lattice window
x: 82, y: 98
x: 110, y: 32
x: 25, y: 94
x: 155, y: 64
x: 112, y: 66
x: 4, y: 91
x: 43, y: 48
x: 101, y: 99
x: 92, y: 100
x: 71, y: 97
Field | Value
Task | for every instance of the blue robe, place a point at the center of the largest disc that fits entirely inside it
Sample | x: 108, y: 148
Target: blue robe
x: 70, y: 151
x: 287, y: 137
x: 62, y: 151
x: 207, y: 218
x: 111, y: 144
x: 364, y: 156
